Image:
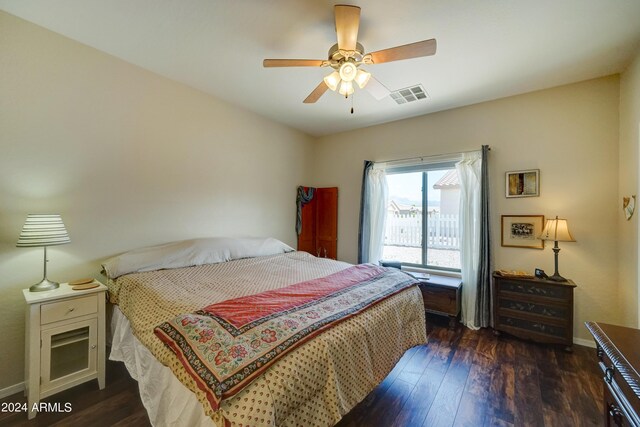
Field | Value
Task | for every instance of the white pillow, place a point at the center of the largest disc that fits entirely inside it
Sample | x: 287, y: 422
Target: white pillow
x: 188, y: 253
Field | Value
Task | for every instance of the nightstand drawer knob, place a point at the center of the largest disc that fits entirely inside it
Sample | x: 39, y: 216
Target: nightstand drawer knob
x: 93, y: 347
x: 71, y: 309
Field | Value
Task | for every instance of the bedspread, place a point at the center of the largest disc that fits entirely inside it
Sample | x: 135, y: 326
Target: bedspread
x: 313, y: 385
x: 226, y: 345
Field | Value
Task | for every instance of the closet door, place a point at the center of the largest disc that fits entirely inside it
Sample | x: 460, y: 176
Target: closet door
x: 319, y: 234
x: 327, y: 222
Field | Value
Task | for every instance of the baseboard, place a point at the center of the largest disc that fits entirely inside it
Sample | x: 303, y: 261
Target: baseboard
x: 586, y: 343
x: 8, y: 391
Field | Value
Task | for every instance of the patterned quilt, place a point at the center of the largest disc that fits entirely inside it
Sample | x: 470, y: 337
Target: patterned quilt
x: 313, y: 385
x: 226, y: 345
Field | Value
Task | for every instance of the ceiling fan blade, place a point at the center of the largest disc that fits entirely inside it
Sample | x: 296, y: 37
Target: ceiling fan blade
x: 376, y: 89
x: 347, y: 23
x: 407, y: 51
x: 292, y: 63
x: 316, y: 94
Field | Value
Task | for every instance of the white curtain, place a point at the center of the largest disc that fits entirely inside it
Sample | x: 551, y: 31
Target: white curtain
x: 469, y: 174
x: 378, y: 198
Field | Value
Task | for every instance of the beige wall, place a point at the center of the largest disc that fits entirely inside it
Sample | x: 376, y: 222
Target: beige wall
x: 129, y: 159
x: 628, y: 185
x: 570, y: 133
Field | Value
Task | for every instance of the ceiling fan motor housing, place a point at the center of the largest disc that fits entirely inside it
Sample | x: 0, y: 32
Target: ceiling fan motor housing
x: 338, y: 55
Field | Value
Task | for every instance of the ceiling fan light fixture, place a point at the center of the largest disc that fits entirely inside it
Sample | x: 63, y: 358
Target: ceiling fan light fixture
x: 332, y: 80
x: 346, y: 88
x: 348, y: 71
x: 346, y: 56
x: 362, y: 78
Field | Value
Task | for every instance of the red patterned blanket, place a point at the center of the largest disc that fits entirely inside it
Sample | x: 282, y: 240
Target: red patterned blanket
x: 226, y: 345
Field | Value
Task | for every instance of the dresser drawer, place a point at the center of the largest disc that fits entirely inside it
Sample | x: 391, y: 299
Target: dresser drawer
x: 618, y: 350
x: 545, y: 310
x: 68, y: 309
x: 533, y: 288
x: 440, y: 299
x: 532, y: 326
x: 623, y: 401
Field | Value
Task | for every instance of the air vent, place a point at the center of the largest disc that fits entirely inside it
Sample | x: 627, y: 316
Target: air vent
x: 409, y: 94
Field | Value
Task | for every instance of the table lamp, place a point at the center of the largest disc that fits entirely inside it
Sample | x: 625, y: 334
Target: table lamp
x: 558, y: 231
x: 42, y: 230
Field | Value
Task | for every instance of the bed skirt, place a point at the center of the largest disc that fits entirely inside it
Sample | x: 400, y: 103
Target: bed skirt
x: 167, y: 401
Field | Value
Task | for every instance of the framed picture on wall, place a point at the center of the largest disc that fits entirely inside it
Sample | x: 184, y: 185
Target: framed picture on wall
x: 522, y: 231
x: 525, y: 183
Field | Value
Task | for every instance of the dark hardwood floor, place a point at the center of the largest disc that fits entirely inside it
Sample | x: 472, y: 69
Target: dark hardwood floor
x: 117, y: 405
x: 460, y: 378
x: 472, y: 378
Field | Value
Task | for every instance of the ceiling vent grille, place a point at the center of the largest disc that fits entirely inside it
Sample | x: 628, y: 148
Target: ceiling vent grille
x: 409, y: 94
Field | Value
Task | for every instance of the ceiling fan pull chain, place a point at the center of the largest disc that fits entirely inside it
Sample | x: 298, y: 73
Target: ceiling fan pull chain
x: 352, y: 96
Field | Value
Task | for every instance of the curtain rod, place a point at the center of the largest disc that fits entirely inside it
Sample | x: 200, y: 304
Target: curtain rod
x: 422, y: 157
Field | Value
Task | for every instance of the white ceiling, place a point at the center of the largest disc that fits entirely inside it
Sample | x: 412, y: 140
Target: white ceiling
x: 487, y: 49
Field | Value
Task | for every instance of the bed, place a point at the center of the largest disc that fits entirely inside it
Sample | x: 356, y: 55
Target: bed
x: 314, y: 383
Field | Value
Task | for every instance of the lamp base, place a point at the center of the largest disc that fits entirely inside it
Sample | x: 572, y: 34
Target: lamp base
x: 557, y: 278
x: 45, y: 285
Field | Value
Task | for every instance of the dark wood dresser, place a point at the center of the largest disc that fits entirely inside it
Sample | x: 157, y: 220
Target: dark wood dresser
x: 536, y: 309
x: 441, y: 295
x: 618, y: 350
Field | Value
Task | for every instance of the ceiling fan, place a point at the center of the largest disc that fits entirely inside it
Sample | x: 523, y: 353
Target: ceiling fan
x: 348, y: 55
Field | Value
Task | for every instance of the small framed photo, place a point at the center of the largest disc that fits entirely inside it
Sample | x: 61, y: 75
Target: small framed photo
x: 524, y: 183
x: 522, y: 231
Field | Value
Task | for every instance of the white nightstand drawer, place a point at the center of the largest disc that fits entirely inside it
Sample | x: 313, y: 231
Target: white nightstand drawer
x: 68, y: 309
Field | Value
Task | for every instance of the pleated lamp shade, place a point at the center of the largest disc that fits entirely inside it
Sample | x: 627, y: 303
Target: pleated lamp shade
x: 43, y: 230
x: 557, y: 230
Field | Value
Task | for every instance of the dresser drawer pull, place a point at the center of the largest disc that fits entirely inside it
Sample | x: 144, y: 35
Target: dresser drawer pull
x: 71, y: 309
x: 616, y: 414
x: 608, y: 374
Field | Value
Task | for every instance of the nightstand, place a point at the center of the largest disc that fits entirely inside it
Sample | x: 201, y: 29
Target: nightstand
x: 65, y: 340
x: 441, y: 295
x: 535, y: 309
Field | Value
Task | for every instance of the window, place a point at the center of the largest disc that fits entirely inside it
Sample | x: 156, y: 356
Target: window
x: 422, y: 216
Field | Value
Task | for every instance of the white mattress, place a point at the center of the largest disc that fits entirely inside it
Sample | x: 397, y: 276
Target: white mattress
x: 167, y: 400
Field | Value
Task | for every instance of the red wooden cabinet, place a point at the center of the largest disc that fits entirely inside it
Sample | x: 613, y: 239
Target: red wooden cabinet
x: 319, y: 233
